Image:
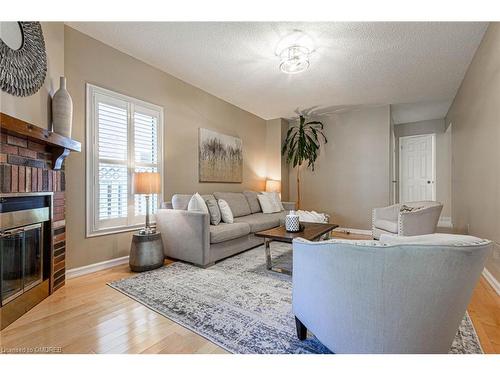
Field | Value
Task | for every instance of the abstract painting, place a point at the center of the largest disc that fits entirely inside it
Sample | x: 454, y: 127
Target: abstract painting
x: 220, y: 157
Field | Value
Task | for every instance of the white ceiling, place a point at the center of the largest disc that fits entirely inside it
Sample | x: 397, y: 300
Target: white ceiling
x: 354, y: 63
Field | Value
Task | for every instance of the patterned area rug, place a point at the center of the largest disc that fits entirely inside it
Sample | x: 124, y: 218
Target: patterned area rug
x: 239, y: 305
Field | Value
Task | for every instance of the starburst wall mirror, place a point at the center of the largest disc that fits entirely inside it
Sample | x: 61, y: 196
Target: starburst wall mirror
x: 23, y: 59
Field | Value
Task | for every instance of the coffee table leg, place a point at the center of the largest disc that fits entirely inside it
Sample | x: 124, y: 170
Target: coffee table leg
x: 269, y: 264
x: 267, y: 247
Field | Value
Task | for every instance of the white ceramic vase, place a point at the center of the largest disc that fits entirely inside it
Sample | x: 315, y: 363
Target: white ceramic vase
x: 62, y: 110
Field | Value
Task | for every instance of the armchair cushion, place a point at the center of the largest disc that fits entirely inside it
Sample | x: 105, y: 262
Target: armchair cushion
x: 389, y: 226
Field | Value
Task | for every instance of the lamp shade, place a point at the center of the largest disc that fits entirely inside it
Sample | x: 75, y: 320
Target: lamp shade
x: 273, y: 186
x: 147, y: 183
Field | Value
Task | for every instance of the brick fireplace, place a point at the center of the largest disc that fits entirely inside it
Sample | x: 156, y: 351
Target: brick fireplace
x: 31, y: 164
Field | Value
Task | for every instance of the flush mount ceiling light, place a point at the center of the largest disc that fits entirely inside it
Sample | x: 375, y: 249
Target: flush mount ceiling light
x: 294, y: 59
x: 294, y: 51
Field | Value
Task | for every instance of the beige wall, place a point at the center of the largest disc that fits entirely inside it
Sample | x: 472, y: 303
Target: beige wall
x: 443, y: 156
x: 35, y: 109
x: 352, y: 173
x: 186, y: 109
x: 475, y: 118
x: 276, y: 167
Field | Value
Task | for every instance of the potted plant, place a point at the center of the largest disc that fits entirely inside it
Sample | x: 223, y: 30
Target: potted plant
x: 302, y: 145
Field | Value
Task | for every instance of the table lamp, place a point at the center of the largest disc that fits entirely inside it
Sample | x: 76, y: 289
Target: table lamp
x: 273, y: 186
x: 147, y: 183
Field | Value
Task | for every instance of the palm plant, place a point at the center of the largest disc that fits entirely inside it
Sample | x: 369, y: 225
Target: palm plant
x: 302, y: 144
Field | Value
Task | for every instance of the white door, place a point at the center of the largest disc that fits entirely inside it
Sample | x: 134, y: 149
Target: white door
x: 417, y: 163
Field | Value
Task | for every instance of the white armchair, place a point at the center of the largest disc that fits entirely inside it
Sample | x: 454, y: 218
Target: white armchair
x: 367, y: 297
x: 391, y: 220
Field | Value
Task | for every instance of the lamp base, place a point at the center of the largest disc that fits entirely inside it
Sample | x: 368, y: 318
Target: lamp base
x: 147, y: 230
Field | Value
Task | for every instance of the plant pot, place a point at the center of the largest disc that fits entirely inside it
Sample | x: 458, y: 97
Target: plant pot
x: 62, y: 110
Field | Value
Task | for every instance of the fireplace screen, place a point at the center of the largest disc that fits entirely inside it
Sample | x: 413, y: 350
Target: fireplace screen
x: 21, y: 260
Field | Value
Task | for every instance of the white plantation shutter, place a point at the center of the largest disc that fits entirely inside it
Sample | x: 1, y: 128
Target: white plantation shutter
x: 124, y: 136
x: 146, y: 153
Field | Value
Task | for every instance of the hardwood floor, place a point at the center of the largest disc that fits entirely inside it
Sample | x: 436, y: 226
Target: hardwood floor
x: 87, y: 316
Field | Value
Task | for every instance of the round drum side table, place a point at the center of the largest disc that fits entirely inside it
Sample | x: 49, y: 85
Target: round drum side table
x: 146, y: 252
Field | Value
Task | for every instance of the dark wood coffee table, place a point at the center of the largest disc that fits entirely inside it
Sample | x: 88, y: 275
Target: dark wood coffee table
x: 311, y: 232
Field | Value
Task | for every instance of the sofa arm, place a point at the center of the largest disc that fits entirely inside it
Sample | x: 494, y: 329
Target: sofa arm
x: 288, y: 206
x: 185, y: 235
x: 423, y: 221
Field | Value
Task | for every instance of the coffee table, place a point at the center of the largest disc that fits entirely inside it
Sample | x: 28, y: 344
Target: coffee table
x: 311, y: 232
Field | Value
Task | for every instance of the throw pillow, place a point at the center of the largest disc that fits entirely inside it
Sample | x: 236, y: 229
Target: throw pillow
x: 268, y: 206
x: 275, y: 200
x: 226, y: 213
x: 405, y: 208
x: 197, y: 203
x: 214, y: 211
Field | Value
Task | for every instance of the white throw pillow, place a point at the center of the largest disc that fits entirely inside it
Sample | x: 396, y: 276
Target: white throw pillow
x: 225, y: 211
x: 197, y: 203
x: 275, y: 200
x: 268, y: 206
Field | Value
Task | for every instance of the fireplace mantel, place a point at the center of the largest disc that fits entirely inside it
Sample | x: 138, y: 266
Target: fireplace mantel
x: 60, y: 146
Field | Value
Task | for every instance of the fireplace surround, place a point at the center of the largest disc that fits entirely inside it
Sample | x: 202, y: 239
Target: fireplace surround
x: 32, y: 185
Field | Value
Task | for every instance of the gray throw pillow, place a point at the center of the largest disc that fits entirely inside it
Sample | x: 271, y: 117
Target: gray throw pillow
x: 214, y: 211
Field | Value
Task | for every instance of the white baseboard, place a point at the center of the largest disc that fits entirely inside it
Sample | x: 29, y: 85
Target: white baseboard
x: 492, y: 281
x: 354, y: 230
x: 445, y: 222
x: 91, y: 268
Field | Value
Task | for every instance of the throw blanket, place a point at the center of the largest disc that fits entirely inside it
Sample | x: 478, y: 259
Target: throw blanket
x: 312, y: 216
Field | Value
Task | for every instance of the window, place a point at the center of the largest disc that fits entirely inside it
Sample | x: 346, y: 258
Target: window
x: 124, y: 135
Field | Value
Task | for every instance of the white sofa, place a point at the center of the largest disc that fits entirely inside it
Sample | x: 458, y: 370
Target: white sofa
x: 397, y: 295
x: 391, y: 220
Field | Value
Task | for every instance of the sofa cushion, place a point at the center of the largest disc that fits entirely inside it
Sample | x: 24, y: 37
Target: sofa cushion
x: 261, y: 221
x: 180, y: 201
x: 253, y: 201
x: 225, y: 232
x: 390, y: 226
x: 236, y: 201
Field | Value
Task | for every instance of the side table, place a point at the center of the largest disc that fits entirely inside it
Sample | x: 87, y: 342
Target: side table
x: 146, y: 252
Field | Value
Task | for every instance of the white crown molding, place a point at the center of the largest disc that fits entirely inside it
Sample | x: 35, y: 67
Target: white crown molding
x: 91, y: 268
x: 492, y: 281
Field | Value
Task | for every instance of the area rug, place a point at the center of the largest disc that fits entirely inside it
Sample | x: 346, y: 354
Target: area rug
x: 239, y: 305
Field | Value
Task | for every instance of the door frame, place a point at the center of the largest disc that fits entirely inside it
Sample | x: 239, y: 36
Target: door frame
x: 433, y: 142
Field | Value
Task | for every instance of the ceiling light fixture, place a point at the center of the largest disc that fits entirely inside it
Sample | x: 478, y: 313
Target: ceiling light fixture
x: 294, y: 59
x: 294, y: 51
